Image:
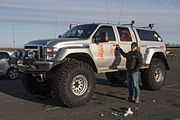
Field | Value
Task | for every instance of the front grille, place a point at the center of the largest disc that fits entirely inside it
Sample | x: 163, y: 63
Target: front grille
x: 39, y: 51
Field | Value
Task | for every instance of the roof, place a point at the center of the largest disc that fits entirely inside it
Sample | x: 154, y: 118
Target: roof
x: 123, y: 25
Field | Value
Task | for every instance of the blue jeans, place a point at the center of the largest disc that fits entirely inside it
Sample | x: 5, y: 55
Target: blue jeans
x: 133, y: 83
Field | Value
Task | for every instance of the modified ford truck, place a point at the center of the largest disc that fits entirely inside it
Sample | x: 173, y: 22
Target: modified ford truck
x: 65, y: 67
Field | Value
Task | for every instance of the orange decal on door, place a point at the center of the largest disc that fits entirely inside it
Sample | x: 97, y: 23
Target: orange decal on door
x: 100, y: 52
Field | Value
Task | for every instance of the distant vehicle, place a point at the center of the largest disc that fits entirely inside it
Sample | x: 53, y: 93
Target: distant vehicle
x: 5, y: 69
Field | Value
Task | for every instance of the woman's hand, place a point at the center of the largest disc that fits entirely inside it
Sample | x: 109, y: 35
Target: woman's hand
x: 117, y: 47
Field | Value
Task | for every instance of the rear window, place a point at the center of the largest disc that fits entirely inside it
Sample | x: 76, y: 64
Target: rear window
x: 146, y: 35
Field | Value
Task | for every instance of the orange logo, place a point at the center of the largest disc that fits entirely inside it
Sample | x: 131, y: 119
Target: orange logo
x: 100, y: 52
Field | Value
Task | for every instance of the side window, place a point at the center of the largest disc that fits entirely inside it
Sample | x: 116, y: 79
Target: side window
x: 109, y: 30
x: 124, y: 34
x: 146, y: 35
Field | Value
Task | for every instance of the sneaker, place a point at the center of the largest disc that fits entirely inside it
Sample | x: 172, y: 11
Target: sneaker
x: 136, y: 100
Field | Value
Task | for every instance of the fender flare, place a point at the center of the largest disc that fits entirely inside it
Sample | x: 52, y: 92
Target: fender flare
x: 157, y: 53
x: 150, y: 52
x: 63, y: 52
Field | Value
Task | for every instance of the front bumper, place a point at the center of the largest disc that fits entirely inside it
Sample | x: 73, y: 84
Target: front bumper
x: 32, y: 66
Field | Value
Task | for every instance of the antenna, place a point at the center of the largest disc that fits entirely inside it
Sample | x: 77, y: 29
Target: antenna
x: 121, y: 11
x: 107, y: 9
x: 13, y: 36
x: 56, y: 27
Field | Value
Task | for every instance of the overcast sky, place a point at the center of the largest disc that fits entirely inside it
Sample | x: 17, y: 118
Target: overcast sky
x: 36, y: 19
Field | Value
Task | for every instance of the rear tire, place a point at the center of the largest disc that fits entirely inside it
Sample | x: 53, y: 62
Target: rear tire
x: 153, y: 78
x: 35, y: 85
x: 116, y: 77
x: 74, y: 83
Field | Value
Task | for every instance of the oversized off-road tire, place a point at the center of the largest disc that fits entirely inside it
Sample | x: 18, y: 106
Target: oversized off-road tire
x: 116, y: 77
x: 13, y: 73
x: 74, y: 83
x: 153, y: 78
x: 35, y: 85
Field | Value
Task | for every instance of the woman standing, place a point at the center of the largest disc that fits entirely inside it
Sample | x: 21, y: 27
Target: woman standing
x: 133, y: 64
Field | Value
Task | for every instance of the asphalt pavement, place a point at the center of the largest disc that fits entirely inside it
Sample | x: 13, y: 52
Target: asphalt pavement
x: 107, y: 104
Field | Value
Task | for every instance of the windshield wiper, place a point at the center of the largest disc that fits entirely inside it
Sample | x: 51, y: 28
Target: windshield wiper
x: 74, y: 37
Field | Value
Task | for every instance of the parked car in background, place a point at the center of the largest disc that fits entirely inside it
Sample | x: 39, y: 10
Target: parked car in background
x: 5, y: 69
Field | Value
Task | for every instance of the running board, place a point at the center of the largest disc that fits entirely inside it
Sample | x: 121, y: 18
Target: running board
x: 110, y: 69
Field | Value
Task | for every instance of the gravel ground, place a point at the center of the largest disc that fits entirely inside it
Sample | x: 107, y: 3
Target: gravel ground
x: 107, y: 104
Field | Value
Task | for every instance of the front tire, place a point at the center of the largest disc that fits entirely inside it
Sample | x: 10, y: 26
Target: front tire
x: 35, y: 85
x: 74, y: 84
x: 153, y: 78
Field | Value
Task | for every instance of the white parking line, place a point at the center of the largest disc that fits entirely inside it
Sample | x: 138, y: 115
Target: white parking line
x: 9, y: 92
x: 172, y: 85
x: 172, y: 89
x: 168, y: 87
x: 53, y: 108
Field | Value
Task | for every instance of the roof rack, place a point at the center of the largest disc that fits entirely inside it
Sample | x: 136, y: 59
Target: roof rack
x: 150, y: 26
x: 132, y: 23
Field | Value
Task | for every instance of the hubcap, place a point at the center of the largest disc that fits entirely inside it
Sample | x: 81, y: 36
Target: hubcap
x: 158, y: 75
x: 13, y: 74
x: 79, y: 85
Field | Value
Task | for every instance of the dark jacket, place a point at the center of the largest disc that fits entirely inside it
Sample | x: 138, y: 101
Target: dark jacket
x: 134, y: 60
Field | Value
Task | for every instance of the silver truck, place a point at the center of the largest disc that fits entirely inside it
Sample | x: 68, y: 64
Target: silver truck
x: 65, y: 67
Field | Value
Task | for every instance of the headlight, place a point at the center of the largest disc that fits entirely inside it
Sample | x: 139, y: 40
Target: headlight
x: 17, y: 54
x: 51, y: 53
x: 24, y: 54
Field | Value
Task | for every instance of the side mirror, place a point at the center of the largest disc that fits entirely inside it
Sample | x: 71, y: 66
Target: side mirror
x: 104, y: 37
x: 59, y: 36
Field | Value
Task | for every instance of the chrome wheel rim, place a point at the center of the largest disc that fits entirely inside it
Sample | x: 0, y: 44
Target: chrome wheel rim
x: 158, y: 75
x: 79, y: 85
x: 13, y: 74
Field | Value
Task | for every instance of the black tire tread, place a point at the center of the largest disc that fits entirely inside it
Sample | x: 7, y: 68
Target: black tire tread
x: 63, y: 72
x: 29, y: 84
x: 147, y: 76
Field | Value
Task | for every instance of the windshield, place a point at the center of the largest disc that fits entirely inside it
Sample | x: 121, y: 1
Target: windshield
x: 81, y: 31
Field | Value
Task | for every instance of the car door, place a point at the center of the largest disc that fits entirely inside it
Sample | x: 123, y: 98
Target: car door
x: 4, y: 57
x: 126, y: 37
x: 103, y: 51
